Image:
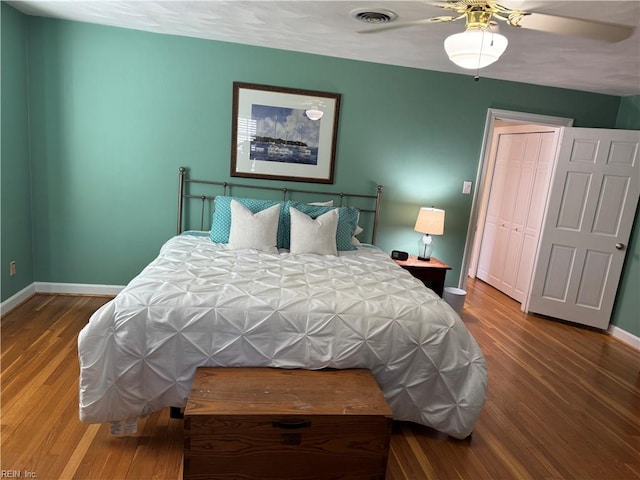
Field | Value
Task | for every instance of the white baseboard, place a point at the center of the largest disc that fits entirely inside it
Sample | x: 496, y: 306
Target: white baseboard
x: 12, y: 302
x: 77, y: 288
x: 89, y: 289
x: 63, y: 288
x: 625, y: 336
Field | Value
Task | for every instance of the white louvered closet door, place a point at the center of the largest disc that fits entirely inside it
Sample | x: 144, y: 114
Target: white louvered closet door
x: 515, y: 209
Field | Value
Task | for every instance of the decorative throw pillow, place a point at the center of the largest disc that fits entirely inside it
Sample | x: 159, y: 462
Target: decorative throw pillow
x: 317, y: 235
x: 257, y: 231
x: 221, y: 222
x: 347, y: 222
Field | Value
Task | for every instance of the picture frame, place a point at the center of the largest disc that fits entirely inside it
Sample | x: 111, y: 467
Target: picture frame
x: 282, y: 133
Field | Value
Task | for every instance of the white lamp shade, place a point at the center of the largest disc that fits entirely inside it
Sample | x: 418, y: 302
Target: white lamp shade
x: 430, y: 220
x: 475, y: 48
x: 314, y: 114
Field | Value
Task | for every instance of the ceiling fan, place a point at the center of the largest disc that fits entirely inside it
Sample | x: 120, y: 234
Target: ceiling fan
x: 480, y: 45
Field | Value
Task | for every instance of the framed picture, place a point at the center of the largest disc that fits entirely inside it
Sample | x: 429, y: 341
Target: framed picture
x: 283, y: 133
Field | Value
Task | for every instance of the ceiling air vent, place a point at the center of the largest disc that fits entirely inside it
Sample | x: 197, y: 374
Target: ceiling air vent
x: 366, y: 15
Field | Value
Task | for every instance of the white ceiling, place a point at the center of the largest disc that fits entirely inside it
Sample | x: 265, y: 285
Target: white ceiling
x: 327, y: 28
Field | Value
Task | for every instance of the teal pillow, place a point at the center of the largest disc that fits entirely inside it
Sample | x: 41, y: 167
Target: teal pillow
x: 221, y: 224
x: 347, y: 222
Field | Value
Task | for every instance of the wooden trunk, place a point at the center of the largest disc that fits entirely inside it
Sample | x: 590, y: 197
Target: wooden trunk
x: 267, y: 423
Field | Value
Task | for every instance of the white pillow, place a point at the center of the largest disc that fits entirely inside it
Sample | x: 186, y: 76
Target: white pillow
x: 323, y: 204
x: 310, y: 235
x: 257, y: 231
x: 357, y: 231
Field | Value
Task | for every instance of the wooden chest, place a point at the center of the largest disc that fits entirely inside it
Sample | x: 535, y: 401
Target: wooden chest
x: 267, y: 423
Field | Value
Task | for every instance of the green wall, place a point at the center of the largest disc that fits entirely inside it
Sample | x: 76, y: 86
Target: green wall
x: 115, y: 112
x: 15, y: 181
x: 627, y: 307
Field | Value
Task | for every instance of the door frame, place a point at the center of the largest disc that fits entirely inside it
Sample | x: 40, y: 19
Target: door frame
x: 482, y: 175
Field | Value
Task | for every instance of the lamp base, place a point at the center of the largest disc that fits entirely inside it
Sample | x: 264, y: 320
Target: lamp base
x: 425, y: 248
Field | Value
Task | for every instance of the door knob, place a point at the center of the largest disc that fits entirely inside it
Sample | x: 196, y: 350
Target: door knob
x: 619, y: 246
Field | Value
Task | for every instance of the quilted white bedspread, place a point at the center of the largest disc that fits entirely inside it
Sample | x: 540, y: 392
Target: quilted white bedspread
x: 200, y: 304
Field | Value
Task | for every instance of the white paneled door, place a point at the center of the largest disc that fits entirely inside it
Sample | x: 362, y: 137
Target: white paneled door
x: 591, y: 207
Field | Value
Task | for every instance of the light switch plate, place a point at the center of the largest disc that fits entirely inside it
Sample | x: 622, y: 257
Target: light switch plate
x: 466, y: 188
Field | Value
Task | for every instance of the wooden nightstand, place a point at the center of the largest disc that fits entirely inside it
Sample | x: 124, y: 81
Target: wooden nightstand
x: 431, y: 273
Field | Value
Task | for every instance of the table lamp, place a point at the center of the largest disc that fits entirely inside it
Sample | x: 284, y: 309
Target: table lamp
x: 430, y: 222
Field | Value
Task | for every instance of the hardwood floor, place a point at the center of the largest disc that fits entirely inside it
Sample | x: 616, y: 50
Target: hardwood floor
x: 563, y: 402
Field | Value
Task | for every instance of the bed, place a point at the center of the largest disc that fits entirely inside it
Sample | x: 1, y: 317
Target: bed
x: 206, y: 302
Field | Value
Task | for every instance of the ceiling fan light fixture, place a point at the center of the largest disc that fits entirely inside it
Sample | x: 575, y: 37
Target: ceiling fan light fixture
x: 475, y: 48
x: 314, y: 114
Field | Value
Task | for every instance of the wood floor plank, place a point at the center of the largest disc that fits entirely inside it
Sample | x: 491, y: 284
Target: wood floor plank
x: 80, y: 451
x: 563, y: 403
x: 417, y: 452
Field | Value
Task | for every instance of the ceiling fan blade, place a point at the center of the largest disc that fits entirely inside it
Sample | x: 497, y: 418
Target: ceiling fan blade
x: 411, y: 23
x: 607, y: 32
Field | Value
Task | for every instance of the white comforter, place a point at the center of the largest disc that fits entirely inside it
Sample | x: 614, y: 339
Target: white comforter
x: 200, y: 304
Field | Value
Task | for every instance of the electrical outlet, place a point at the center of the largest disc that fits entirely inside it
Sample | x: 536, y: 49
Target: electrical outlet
x: 12, y: 268
x: 466, y: 188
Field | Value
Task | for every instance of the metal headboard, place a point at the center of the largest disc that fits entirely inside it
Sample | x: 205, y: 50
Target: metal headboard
x: 184, y: 193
